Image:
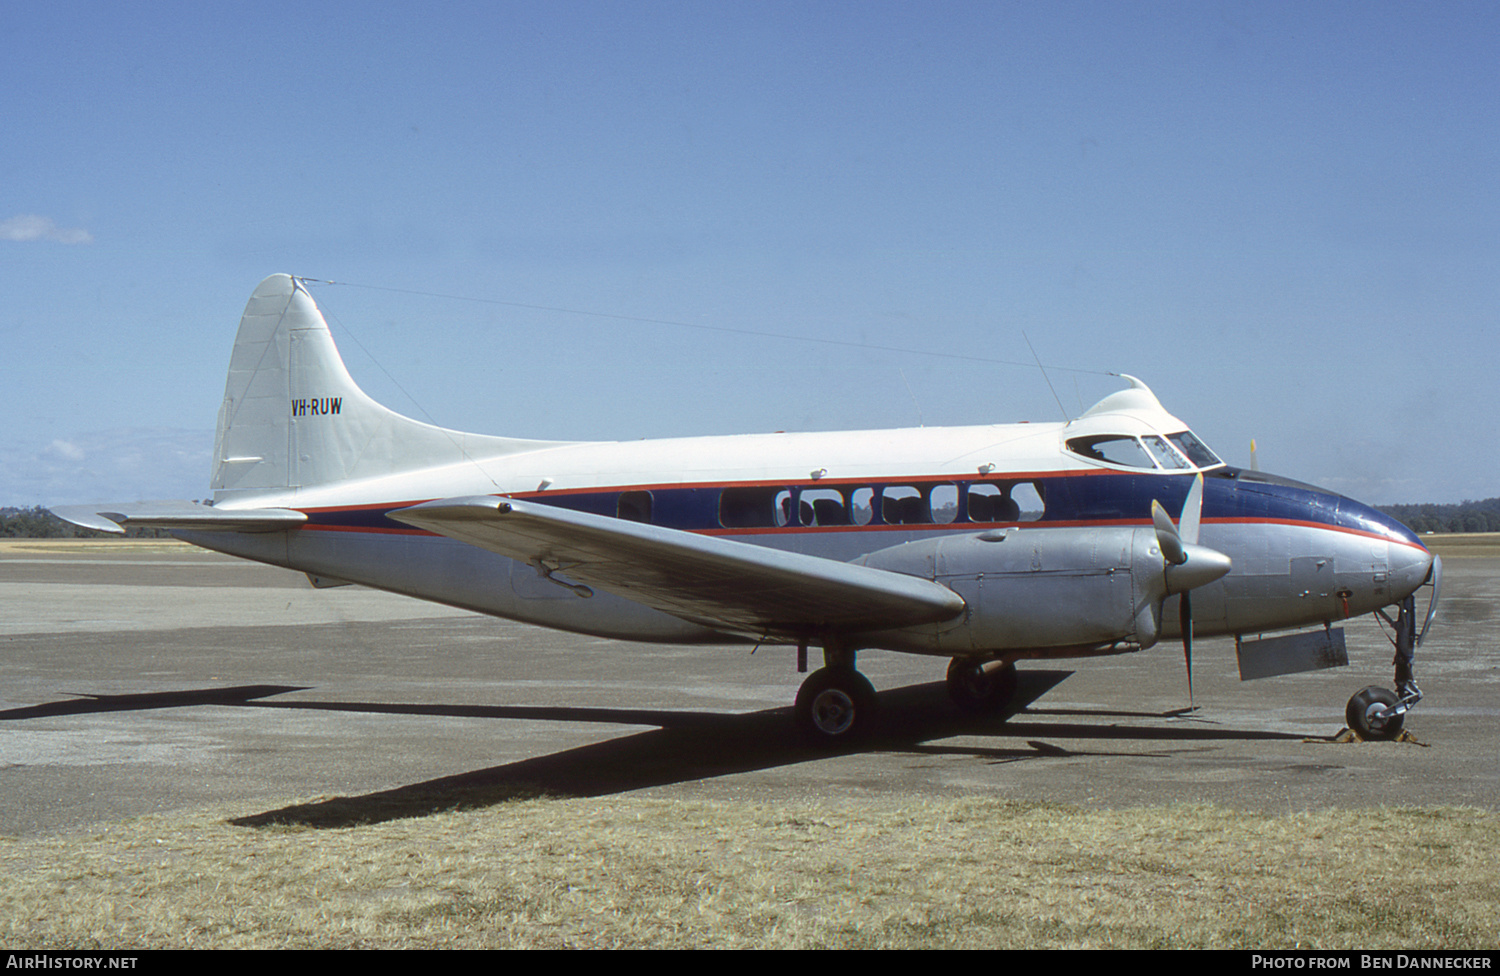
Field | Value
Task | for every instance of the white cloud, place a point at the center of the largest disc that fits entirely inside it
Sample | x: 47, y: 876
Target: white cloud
x: 65, y: 449
x: 30, y: 227
x: 124, y: 464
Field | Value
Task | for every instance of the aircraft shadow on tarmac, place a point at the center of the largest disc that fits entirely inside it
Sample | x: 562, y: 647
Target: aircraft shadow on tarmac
x: 682, y: 746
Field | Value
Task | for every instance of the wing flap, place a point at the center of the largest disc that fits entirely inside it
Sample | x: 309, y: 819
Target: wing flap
x: 719, y: 582
x: 178, y: 515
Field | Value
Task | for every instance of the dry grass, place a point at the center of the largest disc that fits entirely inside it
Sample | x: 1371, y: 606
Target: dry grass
x: 634, y: 872
x: 1461, y: 544
x: 75, y: 546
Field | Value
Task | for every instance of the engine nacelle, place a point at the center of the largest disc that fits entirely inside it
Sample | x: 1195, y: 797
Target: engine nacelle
x: 1061, y: 590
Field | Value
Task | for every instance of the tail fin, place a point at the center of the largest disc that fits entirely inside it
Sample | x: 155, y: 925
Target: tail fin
x: 293, y: 417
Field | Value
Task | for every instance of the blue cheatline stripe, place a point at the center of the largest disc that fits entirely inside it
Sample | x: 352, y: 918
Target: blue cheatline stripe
x: 1096, y: 498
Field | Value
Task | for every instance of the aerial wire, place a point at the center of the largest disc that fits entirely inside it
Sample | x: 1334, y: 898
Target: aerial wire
x: 452, y: 436
x: 371, y: 357
x: 645, y: 320
x: 913, y: 395
x: 1048, y: 378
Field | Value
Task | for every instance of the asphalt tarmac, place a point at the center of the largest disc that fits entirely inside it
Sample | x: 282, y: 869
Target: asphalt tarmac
x: 146, y: 677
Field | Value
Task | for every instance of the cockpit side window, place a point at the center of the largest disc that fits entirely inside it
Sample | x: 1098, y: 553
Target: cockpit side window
x: 1195, y: 450
x: 1114, y: 449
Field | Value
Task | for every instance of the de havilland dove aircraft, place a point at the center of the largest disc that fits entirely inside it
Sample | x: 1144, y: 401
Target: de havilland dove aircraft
x: 985, y: 545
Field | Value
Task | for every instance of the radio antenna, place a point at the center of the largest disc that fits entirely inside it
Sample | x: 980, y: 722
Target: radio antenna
x: 913, y: 395
x: 1046, y: 377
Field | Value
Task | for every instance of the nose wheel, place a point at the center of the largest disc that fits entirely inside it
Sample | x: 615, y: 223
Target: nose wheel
x: 1375, y: 713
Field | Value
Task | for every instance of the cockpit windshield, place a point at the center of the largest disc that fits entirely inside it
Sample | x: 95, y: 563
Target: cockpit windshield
x: 1195, y: 450
x: 1149, y: 451
x: 1165, y: 456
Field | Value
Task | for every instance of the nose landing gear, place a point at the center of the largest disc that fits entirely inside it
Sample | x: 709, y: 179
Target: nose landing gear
x: 1376, y: 713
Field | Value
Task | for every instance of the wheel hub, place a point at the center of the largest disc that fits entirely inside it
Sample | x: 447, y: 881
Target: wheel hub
x: 1373, y: 717
x: 833, y: 711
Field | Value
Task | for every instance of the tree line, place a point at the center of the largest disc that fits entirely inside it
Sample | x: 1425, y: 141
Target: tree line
x: 38, y: 523
x: 1466, y: 516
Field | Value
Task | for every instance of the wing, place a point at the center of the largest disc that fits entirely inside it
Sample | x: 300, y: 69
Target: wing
x: 717, y: 582
x: 178, y: 515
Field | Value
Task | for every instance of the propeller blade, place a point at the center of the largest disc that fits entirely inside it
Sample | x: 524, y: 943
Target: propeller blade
x: 1177, y: 542
x: 1192, y: 511
x: 1185, y: 617
x: 1166, y: 535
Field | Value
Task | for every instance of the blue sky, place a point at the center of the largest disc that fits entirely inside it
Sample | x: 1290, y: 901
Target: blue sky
x: 1283, y: 217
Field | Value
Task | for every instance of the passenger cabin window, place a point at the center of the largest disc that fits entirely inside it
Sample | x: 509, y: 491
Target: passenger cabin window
x: 942, y: 503
x: 903, y: 505
x: 824, y: 506
x: 862, y: 506
x: 1015, y: 501
x: 748, y: 508
x: 634, y: 506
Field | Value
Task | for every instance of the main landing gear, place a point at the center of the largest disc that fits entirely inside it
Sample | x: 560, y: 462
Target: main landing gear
x: 981, y: 686
x: 836, y: 704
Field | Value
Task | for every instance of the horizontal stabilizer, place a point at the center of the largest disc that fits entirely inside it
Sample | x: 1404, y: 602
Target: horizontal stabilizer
x: 721, y: 583
x: 178, y: 515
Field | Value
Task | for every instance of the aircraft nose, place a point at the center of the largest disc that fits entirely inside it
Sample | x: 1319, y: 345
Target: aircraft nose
x: 1409, y: 568
x: 1408, y: 563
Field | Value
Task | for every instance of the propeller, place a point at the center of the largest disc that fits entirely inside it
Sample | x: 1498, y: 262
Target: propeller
x: 1188, y: 565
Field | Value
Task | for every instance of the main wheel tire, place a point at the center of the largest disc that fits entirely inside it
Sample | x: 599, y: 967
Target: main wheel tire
x: 1362, y: 714
x: 835, y: 706
x: 976, y: 688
